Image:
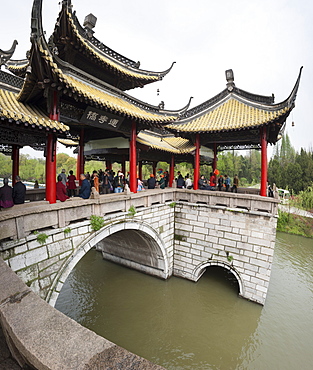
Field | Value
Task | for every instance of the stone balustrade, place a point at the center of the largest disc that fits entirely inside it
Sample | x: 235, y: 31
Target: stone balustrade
x: 21, y: 220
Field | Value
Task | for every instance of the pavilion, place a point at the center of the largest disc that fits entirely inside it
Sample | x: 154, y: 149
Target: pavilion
x: 72, y: 87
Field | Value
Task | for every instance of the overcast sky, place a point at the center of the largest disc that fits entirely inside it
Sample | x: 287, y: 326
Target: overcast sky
x: 264, y: 42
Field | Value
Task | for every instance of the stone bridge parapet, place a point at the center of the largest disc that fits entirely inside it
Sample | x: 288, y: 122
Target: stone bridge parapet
x: 171, y: 232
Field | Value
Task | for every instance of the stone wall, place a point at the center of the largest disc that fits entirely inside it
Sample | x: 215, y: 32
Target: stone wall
x: 43, y: 338
x: 183, y: 233
x: 44, y: 266
x: 239, y: 240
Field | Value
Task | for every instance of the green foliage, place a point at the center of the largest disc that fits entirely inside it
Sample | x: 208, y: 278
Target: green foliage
x: 291, y: 170
x: 304, y: 199
x: 132, y: 211
x: 41, y: 238
x: 90, y: 166
x: 67, y: 231
x: 96, y: 222
x: 295, y: 224
x: 172, y: 205
x: 179, y: 237
x: 230, y: 258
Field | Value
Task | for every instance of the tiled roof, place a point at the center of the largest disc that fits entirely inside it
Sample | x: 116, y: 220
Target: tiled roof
x: 231, y: 114
x: 171, y: 144
x: 114, y: 64
x: 12, y: 109
x: 106, y: 100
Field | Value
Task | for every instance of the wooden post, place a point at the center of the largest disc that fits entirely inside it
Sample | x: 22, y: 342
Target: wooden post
x: 140, y: 170
x: 263, y: 188
x: 154, y: 165
x: 108, y: 164
x: 171, y: 174
x: 15, y: 163
x: 196, y: 174
x: 133, y: 159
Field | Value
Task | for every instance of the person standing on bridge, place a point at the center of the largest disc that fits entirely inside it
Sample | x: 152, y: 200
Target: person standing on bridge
x: 235, y: 184
x: 119, y: 182
x: 227, y: 182
x: 162, y: 182
x: 71, y: 187
x: 19, y: 191
x: 63, y: 177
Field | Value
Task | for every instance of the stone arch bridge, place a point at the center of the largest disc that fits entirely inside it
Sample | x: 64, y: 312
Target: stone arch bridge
x: 173, y: 232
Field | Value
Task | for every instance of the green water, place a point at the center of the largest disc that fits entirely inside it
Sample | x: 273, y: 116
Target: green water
x: 205, y: 325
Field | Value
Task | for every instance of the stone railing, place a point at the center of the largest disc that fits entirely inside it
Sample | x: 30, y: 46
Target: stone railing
x: 41, y: 337
x: 21, y: 220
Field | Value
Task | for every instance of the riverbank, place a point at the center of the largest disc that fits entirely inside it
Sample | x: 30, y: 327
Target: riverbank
x: 295, y: 223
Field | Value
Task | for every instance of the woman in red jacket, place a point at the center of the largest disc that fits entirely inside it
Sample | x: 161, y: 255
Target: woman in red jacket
x: 61, y: 190
x: 71, y: 184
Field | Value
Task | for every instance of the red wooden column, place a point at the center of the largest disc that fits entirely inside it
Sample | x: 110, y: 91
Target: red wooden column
x: 51, y: 168
x: 171, y: 174
x: 214, y: 164
x: 263, y: 187
x: 108, y: 164
x: 140, y: 170
x: 154, y: 165
x: 51, y: 149
x: 196, y: 174
x: 15, y: 162
x: 80, y: 157
x: 133, y: 159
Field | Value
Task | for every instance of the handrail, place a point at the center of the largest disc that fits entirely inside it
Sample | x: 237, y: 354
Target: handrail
x: 20, y: 220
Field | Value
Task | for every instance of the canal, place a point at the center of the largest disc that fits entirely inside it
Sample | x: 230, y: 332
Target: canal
x: 205, y: 325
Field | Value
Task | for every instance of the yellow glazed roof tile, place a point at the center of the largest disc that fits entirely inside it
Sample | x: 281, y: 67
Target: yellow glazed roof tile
x: 109, y: 101
x: 108, y: 61
x: 112, y: 102
x: 168, y: 144
x: 11, y: 108
x: 231, y: 115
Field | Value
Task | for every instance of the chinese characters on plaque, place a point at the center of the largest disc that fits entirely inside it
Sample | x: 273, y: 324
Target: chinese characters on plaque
x: 98, y: 118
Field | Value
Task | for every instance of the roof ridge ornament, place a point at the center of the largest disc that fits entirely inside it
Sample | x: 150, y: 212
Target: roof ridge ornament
x: 89, y: 23
x: 6, y: 55
x: 230, y: 79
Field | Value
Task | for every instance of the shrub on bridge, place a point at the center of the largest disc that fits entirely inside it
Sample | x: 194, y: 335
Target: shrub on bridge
x: 96, y: 222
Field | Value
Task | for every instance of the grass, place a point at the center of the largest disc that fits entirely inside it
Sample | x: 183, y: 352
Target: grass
x: 295, y: 224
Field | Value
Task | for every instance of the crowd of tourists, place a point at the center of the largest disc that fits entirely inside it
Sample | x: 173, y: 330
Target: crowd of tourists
x: 106, y: 182
x: 218, y: 182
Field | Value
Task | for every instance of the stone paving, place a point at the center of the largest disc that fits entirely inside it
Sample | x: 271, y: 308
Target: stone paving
x: 6, y: 362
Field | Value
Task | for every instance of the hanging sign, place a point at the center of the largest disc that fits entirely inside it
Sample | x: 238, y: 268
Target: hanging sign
x: 98, y: 118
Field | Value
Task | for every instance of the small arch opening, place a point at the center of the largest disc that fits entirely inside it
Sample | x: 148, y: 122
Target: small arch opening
x: 223, y: 277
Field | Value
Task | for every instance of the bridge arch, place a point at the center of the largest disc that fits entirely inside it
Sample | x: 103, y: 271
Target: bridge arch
x: 118, y: 243
x: 201, y: 268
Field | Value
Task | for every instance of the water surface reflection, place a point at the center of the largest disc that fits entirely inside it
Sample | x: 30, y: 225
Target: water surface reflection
x: 205, y: 325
